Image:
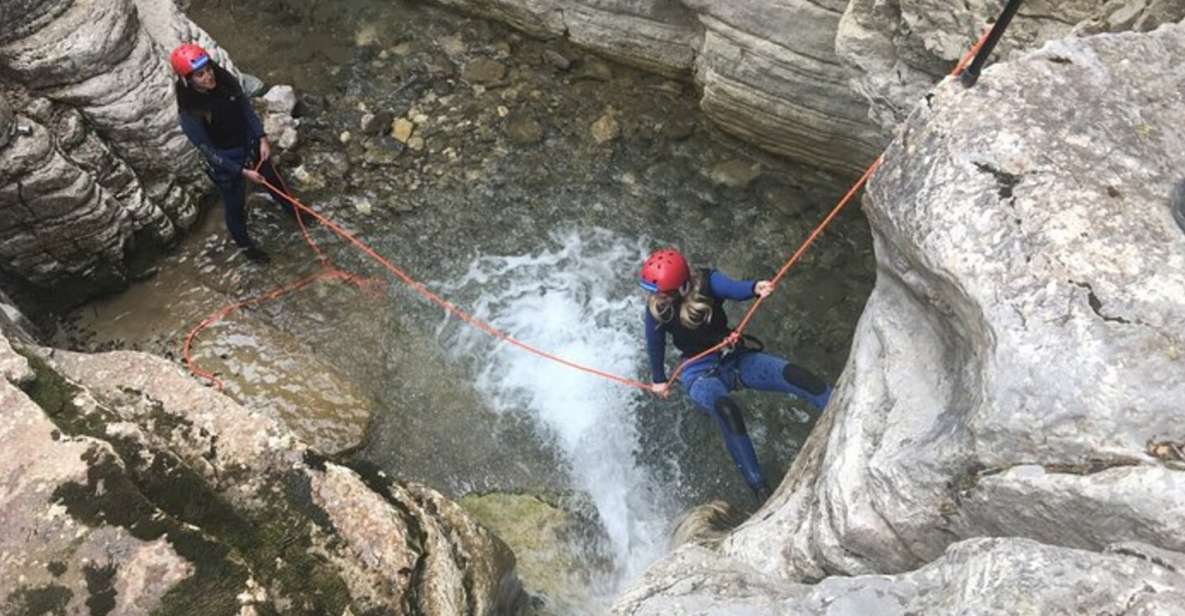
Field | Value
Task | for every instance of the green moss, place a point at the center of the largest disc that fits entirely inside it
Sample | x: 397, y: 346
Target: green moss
x: 274, y: 546
x: 99, y: 583
x: 50, y: 599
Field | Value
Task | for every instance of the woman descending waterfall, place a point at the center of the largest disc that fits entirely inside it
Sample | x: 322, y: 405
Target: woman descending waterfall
x: 218, y: 120
x: 690, y: 307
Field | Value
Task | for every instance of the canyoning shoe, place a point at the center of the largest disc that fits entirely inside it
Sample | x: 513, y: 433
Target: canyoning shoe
x: 820, y: 400
x: 761, y: 493
x: 255, y: 254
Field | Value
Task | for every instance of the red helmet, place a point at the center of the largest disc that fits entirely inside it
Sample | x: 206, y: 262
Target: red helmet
x: 187, y: 58
x: 664, y: 271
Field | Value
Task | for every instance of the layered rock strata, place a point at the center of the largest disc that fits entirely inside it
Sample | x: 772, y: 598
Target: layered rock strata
x: 768, y: 70
x: 143, y: 491
x: 92, y: 162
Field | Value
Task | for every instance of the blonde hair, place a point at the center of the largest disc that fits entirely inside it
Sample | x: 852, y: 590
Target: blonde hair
x: 694, y: 310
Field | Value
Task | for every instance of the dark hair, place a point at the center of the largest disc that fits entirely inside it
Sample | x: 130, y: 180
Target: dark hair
x: 189, y: 99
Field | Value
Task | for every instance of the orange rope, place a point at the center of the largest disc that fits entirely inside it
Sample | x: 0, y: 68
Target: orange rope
x: 328, y: 272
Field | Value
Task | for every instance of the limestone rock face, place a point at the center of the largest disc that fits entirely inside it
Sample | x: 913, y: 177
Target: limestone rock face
x: 977, y: 576
x: 1017, y: 370
x: 768, y: 69
x: 900, y: 48
x: 92, y: 162
x: 177, y: 494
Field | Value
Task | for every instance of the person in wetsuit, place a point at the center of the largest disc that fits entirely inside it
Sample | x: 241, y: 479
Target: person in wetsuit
x: 218, y: 120
x: 689, y: 307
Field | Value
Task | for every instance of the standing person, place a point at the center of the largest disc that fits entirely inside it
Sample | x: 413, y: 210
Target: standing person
x: 689, y: 306
x: 218, y: 119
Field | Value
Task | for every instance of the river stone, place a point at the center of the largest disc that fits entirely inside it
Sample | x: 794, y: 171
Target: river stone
x: 556, y: 59
x: 1022, y: 347
x: 976, y: 576
x: 541, y: 534
x: 605, y: 129
x: 735, y: 173
x: 401, y: 129
x: 524, y: 130
x: 280, y: 99
x: 484, y: 71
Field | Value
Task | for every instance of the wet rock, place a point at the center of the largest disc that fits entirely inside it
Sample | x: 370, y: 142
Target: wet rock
x: 542, y: 536
x: 678, y: 128
x: 376, y: 123
x: 605, y: 129
x: 484, y: 71
x: 735, y: 173
x: 594, y: 69
x: 401, y: 129
x: 524, y: 130
x: 556, y: 59
x: 453, y: 46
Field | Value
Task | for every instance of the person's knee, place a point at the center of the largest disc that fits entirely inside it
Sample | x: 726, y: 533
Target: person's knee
x: 730, y: 412
x: 803, y: 379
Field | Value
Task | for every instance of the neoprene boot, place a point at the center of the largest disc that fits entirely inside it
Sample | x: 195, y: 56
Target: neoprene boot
x: 255, y: 254
x: 761, y: 492
x: 807, y: 386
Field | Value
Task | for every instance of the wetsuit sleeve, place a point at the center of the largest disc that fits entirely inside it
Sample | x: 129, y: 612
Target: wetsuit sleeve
x: 726, y: 288
x: 656, y: 348
x: 254, y: 126
x: 195, y: 131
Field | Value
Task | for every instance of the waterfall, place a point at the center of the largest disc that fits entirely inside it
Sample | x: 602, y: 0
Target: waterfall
x: 577, y: 298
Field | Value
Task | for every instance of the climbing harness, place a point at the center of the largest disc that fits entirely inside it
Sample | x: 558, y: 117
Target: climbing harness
x: 970, y: 76
x: 328, y: 272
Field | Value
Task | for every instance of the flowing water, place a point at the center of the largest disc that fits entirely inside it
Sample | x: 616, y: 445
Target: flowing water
x: 539, y: 232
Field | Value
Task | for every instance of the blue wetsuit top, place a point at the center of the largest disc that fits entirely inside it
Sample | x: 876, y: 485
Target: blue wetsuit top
x: 719, y: 287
